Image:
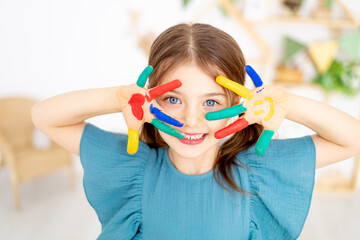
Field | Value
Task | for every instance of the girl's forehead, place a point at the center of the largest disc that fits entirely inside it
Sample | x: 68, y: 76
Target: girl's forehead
x: 198, y: 86
x: 196, y: 82
x: 192, y: 76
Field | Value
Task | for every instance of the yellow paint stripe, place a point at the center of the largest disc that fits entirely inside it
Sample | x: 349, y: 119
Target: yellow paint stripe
x: 258, y: 102
x: 259, y: 112
x: 233, y: 86
x: 133, y: 141
x: 271, y: 112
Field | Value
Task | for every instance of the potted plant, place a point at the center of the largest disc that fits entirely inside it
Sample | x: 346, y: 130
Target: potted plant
x: 342, y: 76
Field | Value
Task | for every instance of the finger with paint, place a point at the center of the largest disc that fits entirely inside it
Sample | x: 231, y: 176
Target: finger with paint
x: 137, y: 102
x: 254, y: 76
x: 264, y: 139
x: 242, y: 123
x: 133, y: 141
x: 144, y: 76
x: 263, y: 142
x: 239, y: 124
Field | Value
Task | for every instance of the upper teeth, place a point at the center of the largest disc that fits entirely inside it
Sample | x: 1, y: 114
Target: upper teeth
x: 192, y: 137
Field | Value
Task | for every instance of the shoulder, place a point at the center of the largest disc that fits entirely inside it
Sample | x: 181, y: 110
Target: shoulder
x: 281, y: 182
x: 279, y: 150
x: 114, y: 180
x: 96, y: 142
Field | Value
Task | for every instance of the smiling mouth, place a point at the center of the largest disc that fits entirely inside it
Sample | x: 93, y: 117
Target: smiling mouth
x: 194, y: 136
x: 193, y: 139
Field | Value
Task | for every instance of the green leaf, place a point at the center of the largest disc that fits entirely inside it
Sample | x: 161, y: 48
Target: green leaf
x: 185, y: 3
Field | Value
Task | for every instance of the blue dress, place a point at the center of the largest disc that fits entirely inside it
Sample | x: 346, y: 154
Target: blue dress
x: 143, y: 196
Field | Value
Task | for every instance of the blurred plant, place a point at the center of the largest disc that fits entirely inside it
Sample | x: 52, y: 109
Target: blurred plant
x: 342, y: 76
x: 185, y: 2
x: 329, y: 3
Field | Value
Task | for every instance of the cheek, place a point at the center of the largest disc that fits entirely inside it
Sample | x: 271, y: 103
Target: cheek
x: 174, y: 111
x: 176, y: 114
x: 167, y: 138
x: 217, y: 124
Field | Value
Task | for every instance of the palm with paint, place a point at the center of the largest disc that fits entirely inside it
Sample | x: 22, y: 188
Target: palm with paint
x: 265, y: 105
x: 139, y: 108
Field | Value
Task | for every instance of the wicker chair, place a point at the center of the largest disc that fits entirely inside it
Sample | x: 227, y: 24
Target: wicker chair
x: 25, y: 161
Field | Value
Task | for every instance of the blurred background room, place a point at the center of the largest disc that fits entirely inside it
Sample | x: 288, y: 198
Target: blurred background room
x: 48, y: 47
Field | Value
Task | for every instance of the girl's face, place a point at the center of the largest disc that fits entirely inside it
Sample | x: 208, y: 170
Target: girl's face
x: 198, y: 95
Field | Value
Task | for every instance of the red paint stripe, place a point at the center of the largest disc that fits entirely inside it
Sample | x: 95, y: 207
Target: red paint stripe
x: 236, y: 126
x: 161, y: 89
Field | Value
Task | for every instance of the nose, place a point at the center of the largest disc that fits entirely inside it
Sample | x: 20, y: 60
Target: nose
x: 193, y: 116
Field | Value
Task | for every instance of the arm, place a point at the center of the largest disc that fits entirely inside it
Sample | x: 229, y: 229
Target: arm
x: 62, y: 117
x: 337, y: 133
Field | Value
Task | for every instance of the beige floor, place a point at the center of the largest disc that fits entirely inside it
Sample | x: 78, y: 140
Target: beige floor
x: 52, y: 210
x: 333, y: 217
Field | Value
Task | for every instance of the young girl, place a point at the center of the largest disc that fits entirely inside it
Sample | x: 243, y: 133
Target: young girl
x: 192, y: 185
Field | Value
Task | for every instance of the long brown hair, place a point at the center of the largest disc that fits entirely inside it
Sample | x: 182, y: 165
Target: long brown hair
x: 217, y: 53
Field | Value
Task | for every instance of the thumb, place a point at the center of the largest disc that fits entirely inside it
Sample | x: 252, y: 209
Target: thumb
x: 133, y: 141
x: 134, y: 126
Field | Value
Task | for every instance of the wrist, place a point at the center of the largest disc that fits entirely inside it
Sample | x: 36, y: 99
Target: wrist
x: 291, y: 102
x: 291, y: 113
x: 297, y: 106
x: 119, y: 96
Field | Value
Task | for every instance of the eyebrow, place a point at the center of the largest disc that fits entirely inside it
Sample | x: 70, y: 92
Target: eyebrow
x: 204, y: 95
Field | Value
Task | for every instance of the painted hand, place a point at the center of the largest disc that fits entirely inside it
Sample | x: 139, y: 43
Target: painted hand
x: 140, y: 109
x: 265, y: 105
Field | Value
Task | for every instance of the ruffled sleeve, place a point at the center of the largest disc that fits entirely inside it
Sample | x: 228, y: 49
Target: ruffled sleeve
x: 282, y: 181
x: 113, y: 181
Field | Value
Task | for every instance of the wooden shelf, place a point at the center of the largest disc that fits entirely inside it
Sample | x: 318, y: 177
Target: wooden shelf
x: 331, y: 23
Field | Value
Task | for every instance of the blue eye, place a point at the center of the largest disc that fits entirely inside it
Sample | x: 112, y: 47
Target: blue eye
x: 210, y: 103
x: 173, y: 100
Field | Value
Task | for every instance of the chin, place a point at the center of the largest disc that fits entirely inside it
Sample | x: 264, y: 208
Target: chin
x: 187, y: 153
